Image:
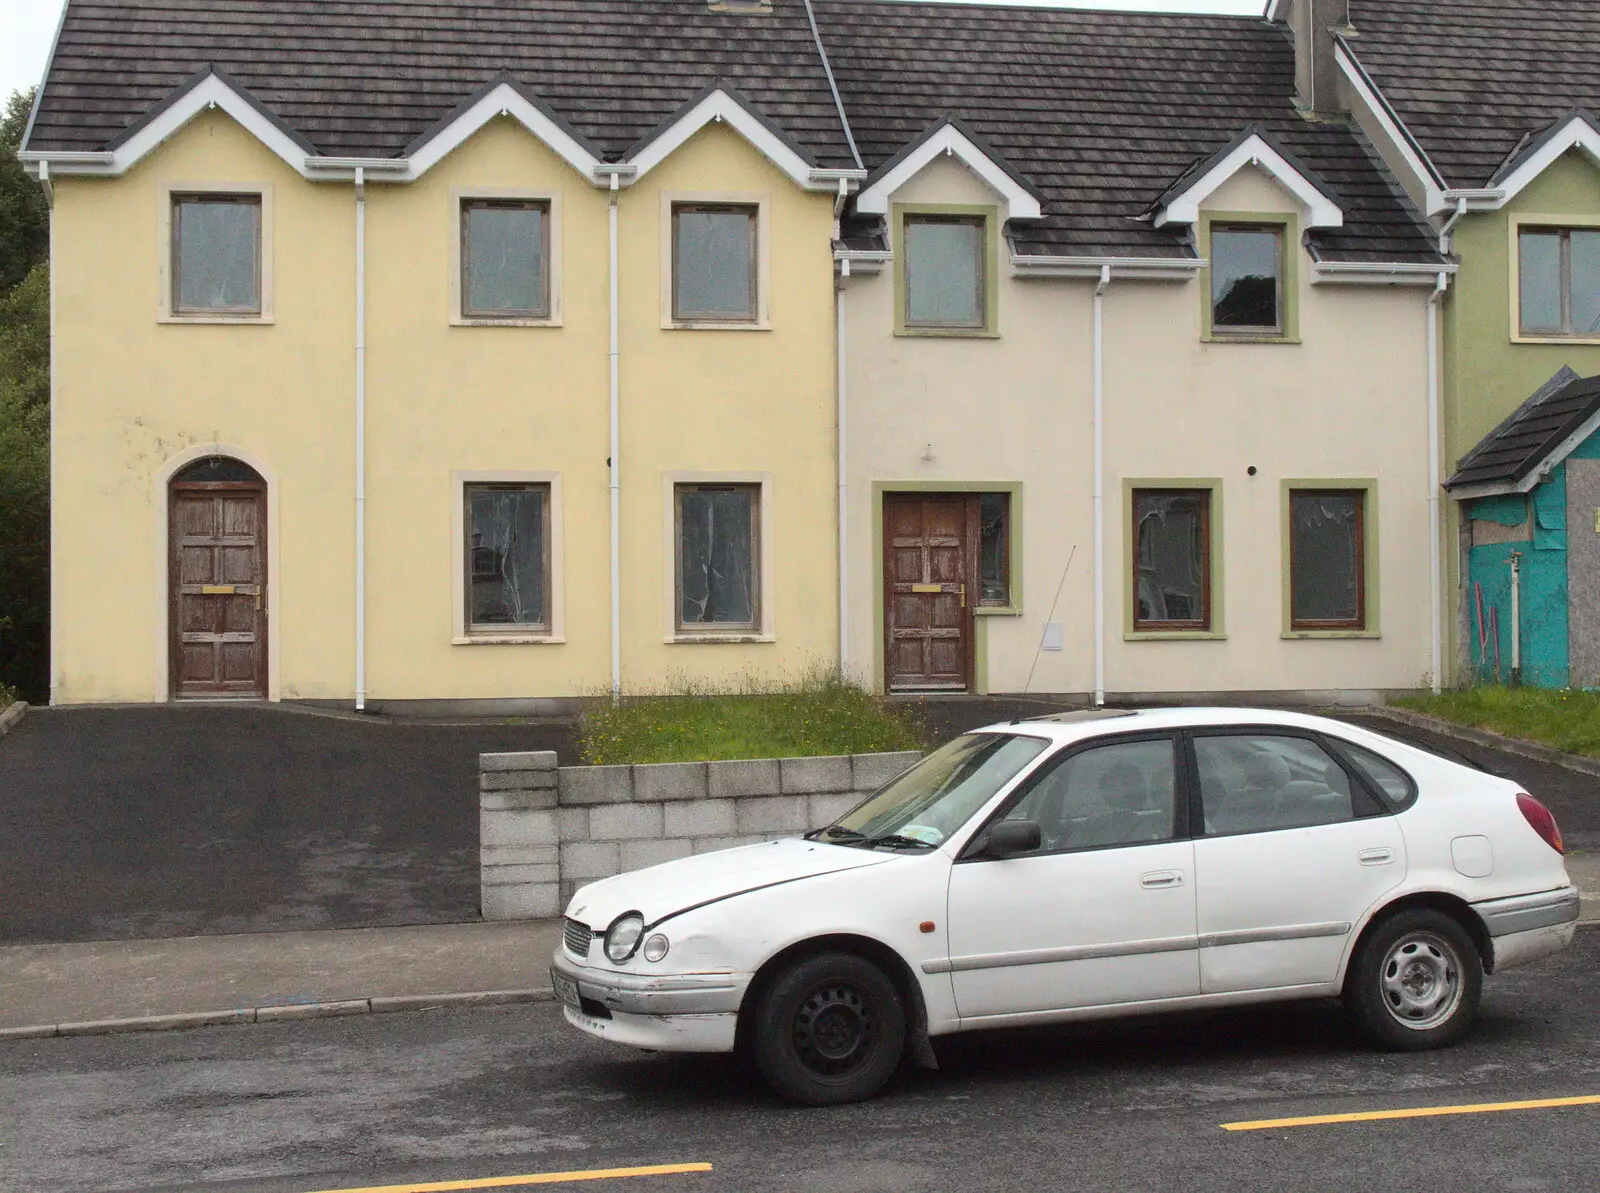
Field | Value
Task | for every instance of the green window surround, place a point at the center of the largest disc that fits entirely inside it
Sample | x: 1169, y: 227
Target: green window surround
x: 1216, y: 628
x: 945, y: 224
x: 1368, y: 488
x: 1288, y: 290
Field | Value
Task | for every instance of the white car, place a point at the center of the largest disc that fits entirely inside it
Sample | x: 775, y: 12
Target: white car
x: 1081, y: 866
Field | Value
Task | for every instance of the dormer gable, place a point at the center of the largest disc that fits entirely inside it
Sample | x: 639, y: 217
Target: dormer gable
x: 1256, y: 148
x: 1577, y: 129
x: 948, y: 136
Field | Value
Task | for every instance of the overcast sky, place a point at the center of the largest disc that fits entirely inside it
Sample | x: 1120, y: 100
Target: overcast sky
x: 26, y: 27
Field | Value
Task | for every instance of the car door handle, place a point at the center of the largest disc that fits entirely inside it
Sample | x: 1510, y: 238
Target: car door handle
x: 1160, y: 878
x: 1376, y: 857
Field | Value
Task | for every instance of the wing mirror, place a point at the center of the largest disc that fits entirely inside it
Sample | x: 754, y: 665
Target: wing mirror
x: 1009, y: 838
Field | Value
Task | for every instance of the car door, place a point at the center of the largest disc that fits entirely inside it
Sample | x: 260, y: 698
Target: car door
x: 1292, y: 851
x: 1103, y: 912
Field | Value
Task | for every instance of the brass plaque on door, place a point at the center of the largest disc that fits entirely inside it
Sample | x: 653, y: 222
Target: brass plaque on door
x: 217, y: 589
x: 927, y: 588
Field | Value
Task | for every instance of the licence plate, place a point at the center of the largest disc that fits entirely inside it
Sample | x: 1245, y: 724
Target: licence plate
x: 566, y: 990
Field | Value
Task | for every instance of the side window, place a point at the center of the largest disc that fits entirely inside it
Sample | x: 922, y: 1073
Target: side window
x: 1247, y: 280
x: 1171, y: 559
x: 945, y: 288
x: 1253, y: 783
x: 1392, y: 783
x: 216, y: 255
x: 718, y: 548
x: 505, y: 254
x: 714, y: 255
x: 508, y: 559
x: 1119, y: 794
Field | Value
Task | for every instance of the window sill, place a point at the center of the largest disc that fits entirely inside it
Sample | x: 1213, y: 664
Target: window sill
x: 1555, y: 339
x: 718, y: 639
x: 485, y: 321
x: 1174, y: 636
x: 714, y: 325
x: 1246, y: 338
x: 946, y: 333
x: 508, y: 640
x: 997, y: 611
x: 247, y: 320
x: 1289, y: 635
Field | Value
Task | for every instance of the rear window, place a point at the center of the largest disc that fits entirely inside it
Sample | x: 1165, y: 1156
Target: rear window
x: 1392, y: 783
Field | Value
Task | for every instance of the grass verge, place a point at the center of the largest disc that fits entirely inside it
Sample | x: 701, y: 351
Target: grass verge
x: 819, y: 714
x: 1566, y: 720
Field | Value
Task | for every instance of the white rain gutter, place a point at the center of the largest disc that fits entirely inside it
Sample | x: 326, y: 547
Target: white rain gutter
x: 361, y: 438
x: 1435, y: 513
x: 1455, y: 216
x: 1171, y: 269
x: 1099, y: 488
x: 614, y: 461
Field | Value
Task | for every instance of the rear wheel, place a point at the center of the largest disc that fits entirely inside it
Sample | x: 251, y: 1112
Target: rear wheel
x: 829, y: 1029
x: 1416, y: 982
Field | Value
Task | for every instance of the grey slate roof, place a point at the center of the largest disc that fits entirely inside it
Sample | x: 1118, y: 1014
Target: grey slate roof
x: 1099, y: 112
x: 1471, y: 78
x: 1528, y: 438
x: 364, y: 78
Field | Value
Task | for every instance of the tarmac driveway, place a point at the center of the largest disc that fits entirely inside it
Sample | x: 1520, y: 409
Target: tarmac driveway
x: 200, y: 819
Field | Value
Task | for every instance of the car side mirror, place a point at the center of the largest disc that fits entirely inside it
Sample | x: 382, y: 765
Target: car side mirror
x: 1009, y: 838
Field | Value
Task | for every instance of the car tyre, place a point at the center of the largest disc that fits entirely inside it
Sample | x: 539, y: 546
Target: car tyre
x: 828, y: 1029
x: 1416, y: 981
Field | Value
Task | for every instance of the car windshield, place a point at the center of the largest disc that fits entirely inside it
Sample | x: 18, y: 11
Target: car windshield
x: 941, y: 793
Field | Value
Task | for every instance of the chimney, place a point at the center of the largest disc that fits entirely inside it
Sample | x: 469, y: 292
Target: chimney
x: 1316, y: 75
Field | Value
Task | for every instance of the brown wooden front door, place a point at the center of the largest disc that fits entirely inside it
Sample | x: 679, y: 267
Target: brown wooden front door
x: 928, y: 561
x: 218, y: 584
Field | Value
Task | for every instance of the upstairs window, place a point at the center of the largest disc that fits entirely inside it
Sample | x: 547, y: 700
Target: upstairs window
x: 945, y: 268
x: 1171, y: 560
x: 505, y: 259
x: 1558, y: 282
x: 714, y: 256
x: 1247, y: 280
x: 216, y: 255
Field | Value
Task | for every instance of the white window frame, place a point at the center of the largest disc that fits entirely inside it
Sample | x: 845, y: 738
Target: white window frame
x: 762, y: 202
x: 167, y: 192
x: 1555, y: 223
x: 460, y: 634
x: 552, y: 199
x: 766, y: 631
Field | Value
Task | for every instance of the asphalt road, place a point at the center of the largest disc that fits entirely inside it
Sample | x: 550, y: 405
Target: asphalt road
x: 391, y: 1100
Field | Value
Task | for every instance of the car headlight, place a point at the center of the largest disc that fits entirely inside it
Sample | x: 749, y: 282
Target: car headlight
x: 656, y: 947
x: 622, y: 938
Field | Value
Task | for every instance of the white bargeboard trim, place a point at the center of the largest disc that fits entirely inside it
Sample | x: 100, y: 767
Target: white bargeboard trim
x: 1021, y: 204
x: 1184, y: 207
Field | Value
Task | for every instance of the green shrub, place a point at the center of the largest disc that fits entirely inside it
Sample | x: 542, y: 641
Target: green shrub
x: 819, y: 713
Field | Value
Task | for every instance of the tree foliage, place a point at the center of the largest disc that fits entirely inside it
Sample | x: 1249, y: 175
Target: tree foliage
x: 24, y: 417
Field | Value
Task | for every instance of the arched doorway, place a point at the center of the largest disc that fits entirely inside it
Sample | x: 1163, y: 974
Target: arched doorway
x: 217, y: 582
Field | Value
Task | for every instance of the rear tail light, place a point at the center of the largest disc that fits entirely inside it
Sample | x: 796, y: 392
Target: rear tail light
x: 1538, y: 816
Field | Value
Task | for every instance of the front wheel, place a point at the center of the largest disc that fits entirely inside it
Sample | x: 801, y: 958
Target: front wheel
x: 829, y: 1029
x: 1416, y: 982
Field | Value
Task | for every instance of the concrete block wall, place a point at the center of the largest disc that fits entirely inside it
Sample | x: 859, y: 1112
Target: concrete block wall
x: 548, y: 830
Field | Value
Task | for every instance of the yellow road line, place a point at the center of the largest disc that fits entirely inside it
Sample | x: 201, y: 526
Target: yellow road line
x: 1368, y: 1116
x: 538, y: 1178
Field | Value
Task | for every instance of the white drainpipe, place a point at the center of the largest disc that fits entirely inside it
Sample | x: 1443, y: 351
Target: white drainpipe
x: 361, y: 439
x: 1099, y: 489
x: 844, y: 484
x: 615, y: 461
x: 1435, y: 514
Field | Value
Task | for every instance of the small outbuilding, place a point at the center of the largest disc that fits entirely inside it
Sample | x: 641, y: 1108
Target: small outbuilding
x: 1530, y: 524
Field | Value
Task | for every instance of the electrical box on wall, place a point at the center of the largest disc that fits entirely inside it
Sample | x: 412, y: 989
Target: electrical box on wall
x: 1053, y: 634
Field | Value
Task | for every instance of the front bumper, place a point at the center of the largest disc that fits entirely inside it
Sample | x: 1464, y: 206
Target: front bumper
x: 651, y: 994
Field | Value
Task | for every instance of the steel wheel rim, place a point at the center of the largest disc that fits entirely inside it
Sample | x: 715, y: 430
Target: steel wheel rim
x: 1421, y: 981
x: 833, y: 1030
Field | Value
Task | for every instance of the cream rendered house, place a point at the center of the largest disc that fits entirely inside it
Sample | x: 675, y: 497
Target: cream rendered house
x: 1137, y: 391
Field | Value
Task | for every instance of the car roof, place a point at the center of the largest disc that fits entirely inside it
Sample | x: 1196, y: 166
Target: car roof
x: 1082, y: 724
